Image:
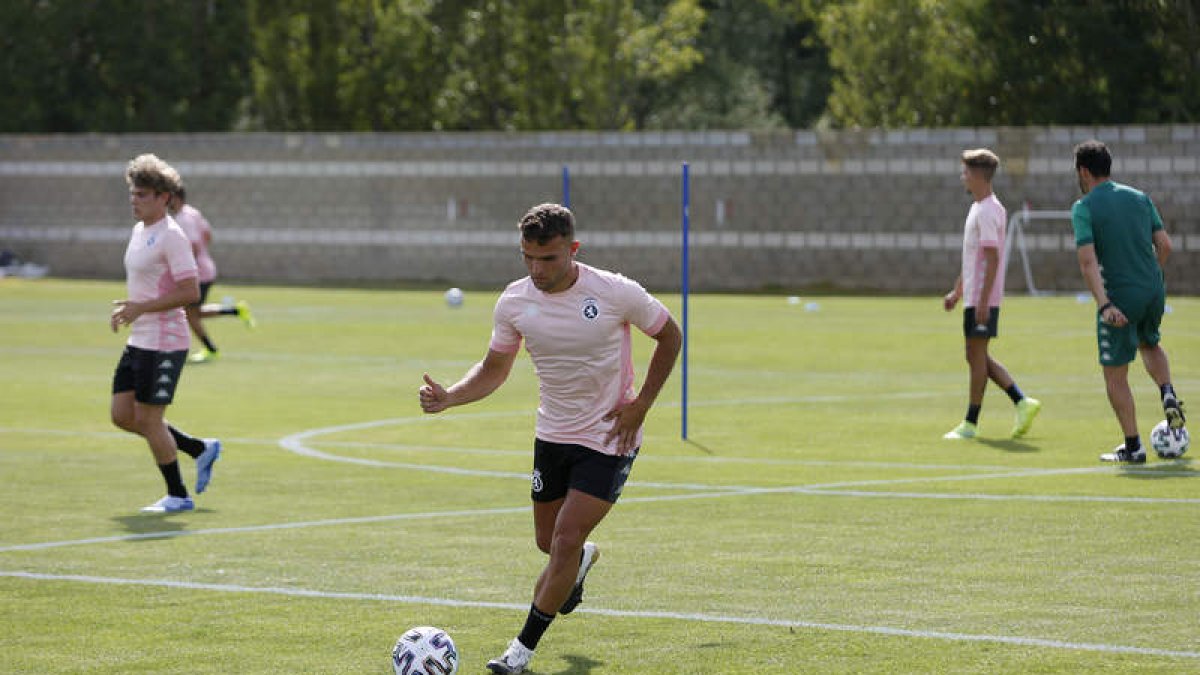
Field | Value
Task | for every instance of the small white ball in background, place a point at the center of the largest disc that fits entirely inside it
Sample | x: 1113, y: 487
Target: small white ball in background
x: 454, y: 297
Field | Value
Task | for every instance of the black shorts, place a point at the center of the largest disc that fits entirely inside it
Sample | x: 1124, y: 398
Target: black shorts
x: 558, y: 467
x: 151, y: 375
x: 971, y: 330
x: 204, y: 286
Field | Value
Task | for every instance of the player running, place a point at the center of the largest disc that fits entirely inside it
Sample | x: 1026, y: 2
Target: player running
x: 199, y: 233
x: 161, y: 278
x: 575, y: 322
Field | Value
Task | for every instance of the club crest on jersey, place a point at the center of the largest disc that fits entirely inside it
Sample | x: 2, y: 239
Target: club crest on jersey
x: 591, y: 310
x: 150, y: 241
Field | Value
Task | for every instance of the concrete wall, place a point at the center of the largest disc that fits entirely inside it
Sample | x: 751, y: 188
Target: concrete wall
x: 849, y: 210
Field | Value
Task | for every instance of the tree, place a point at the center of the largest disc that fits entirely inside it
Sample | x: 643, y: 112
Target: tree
x: 896, y: 62
x: 106, y: 65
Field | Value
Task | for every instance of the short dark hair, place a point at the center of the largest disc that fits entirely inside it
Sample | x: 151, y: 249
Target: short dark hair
x: 1093, y: 156
x: 181, y: 193
x: 547, y: 221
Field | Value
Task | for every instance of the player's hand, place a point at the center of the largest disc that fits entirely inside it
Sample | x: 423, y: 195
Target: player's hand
x: 434, y: 398
x: 1114, y: 317
x: 627, y: 419
x: 950, y: 300
x: 982, y: 314
x: 124, y: 313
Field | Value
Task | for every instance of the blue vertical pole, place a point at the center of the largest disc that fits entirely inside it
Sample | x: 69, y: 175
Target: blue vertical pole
x: 686, y: 283
x: 566, y: 186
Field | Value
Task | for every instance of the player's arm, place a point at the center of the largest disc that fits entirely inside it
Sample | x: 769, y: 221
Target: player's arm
x: 1162, y: 247
x: 629, y: 418
x: 482, y: 379
x: 991, y: 266
x: 1089, y: 265
x: 185, y: 292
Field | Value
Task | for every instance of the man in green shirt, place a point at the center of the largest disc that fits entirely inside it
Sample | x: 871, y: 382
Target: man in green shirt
x: 1122, y: 248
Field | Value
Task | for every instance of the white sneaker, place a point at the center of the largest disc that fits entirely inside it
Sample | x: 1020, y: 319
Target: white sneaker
x: 170, y: 504
x: 591, y: 553
x: 514, y: 659
x: 204, y: 463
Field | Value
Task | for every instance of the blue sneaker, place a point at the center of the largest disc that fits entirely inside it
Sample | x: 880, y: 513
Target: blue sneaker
x: 170, y: 504
x: 204, y: 463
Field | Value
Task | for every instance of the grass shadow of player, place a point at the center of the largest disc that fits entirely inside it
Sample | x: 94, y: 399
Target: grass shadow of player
x: 1171, y: 468
x: 579, y: 665
x: 151, y: 524
x: 699, y: 446
x: 1008, y: 444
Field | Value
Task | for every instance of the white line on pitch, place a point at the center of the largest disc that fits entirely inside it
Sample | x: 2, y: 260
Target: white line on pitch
x: 618, y: 613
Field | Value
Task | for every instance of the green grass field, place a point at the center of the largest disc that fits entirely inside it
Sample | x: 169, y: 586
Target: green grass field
x: 814, y: 522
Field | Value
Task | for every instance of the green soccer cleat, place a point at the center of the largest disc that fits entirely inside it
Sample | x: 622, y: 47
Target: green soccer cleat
x: 1027, y: 409
x: 964, y: 430
x: 203, y: 356
x: 243, y: 313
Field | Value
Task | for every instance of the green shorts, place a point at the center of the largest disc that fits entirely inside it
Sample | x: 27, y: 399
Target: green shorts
x: 1118, y: 346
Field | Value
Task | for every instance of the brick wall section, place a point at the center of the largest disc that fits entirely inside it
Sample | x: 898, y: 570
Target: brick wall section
x: 862, y: 210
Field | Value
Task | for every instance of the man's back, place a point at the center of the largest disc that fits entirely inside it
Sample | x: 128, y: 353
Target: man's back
x: 1120, y: 221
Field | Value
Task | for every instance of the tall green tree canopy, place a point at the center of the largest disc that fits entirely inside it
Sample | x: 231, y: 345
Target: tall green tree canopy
x: 108, y: 65
x: 411, y: 65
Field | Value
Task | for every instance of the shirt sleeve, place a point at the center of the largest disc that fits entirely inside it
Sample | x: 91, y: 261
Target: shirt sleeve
x: 1156, y: 222
x: 990, y: 222
x: 506, y: 339
x: 1081, y: 222
x: 180, y: 260
x: 642, y: 309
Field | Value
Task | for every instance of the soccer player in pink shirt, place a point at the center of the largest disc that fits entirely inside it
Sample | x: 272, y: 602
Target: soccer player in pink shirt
x: 161, y: 278
x: 981, y: 288
x: 199, y: 233
x: 575, y: 321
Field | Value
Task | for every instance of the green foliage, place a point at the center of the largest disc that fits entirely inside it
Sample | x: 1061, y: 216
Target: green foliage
x: 107, y: 65
x: 419, y: 65
x: 1011, y: 62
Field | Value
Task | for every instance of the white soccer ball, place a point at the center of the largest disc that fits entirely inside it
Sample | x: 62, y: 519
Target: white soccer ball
x: 454, y: 297
x: 425, y: 650
x: 1167, y: 442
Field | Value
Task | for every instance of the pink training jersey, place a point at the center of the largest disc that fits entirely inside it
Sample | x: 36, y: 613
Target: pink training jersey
x: 580, y: 344
x: 198, y: 231
x: 984, y: 229
x: 158, y: 257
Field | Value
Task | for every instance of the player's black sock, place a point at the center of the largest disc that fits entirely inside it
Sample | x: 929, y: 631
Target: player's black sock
x: 189, y: 445
x: 1014, y: 392
x: 1166, y: 390
x: 175, y: 486
x: 535, y: 624
x: 208, y: 343
x: 973, y: 413
x: 1133, y: 443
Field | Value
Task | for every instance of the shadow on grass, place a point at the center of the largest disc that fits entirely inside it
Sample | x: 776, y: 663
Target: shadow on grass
x: 579, y: 665
x: 1008, y: 444
x: 699, y: 446
x: 1173, y: 468
x: 154, y: 523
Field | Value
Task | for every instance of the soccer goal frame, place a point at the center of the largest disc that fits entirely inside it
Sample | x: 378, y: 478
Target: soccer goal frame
x: 1017, y: 224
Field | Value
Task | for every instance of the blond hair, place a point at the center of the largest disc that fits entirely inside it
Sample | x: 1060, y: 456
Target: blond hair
x: 148, y: 171
x: 983, y: 159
